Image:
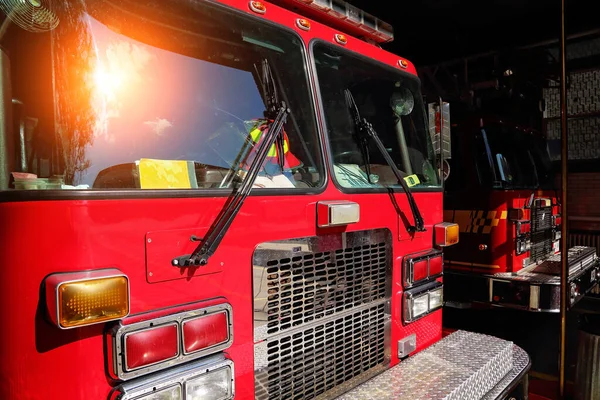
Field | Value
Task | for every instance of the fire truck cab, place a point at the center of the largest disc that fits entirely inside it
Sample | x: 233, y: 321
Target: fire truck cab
x: 503, y: 196
x: 202, y: 200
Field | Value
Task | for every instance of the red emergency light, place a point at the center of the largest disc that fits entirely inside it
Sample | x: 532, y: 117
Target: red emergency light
x: 419, y: 267
x: 151, y: 346
x: 204, y: 332
x: 159, y: 343
x: 341, y: 15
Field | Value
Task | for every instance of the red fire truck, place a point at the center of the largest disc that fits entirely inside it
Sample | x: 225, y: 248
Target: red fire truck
x: 209, y: 200
x: 502, y: 195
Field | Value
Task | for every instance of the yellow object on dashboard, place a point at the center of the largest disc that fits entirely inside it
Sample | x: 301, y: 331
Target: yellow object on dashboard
x: 412, y: 180
x: 166, y: 174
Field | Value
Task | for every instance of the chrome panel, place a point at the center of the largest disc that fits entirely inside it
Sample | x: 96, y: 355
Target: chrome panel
x: 322, y: 319
x: 536, y: 288
x: 119, y: 332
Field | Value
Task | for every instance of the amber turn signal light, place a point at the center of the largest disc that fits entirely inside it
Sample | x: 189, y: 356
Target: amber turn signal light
x: 86, y: 298
x: 445, y: 234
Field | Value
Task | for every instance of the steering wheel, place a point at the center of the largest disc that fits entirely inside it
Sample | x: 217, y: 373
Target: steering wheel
x: 349, y: 157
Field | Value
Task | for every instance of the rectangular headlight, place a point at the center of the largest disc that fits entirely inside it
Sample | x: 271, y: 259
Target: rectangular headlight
x: 211, y: 378
x: 215, y: 385
x: 420, y: 305
x: 422, y: 300
x: 436, y: 298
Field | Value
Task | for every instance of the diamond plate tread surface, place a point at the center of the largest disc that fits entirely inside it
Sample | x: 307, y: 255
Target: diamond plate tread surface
x: 461, y: 366
x: 548, y: 272
x: 521, y: 364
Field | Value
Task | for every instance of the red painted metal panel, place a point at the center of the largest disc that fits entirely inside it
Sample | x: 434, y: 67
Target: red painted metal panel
x: 84, y: 234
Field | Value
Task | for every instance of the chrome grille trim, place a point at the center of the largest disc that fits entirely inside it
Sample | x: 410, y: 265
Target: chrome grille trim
x: 302, y: 280
x: 541, y: 233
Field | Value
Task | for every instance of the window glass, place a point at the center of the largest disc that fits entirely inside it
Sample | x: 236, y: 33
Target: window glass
x: 391, y: 102
x: 127, y: 94
x: 524, y: 157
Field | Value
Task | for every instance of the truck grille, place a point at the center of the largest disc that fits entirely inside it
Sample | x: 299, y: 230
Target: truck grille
x: 320, y: 313
x: 316, y: 360
x: 541, y: 233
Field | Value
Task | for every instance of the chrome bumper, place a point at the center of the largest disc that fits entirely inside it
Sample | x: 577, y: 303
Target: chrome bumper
x: 463, y: 365
x: 535, y: 288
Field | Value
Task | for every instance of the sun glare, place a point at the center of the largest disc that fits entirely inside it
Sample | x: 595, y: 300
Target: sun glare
x: 108, y: 83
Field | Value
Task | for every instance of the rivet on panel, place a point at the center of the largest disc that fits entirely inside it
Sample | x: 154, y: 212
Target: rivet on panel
x: 258, y: 7
x: 341, y: 39
x: 303, y: 24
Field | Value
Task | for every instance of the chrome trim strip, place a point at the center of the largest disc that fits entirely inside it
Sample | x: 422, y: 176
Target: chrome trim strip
x: 323, y: 321
x: 118, y: 333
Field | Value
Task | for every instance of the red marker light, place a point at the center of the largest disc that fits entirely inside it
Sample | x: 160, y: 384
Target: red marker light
x: 420, y: 270
x: 435, y: 266
x: 204, y: 332
x: 150, y: 346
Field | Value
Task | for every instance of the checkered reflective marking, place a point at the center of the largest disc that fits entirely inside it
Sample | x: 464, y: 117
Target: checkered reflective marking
x: 475, y: 221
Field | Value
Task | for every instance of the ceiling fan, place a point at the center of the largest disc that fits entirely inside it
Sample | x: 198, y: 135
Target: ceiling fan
x: 30, y: 15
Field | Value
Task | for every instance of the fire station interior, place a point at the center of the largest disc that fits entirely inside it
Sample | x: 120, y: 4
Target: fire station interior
x: 505, y: 170
x: 498, y: 65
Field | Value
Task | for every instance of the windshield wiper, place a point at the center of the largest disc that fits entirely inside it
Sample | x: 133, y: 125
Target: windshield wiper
x: 276, y: 114
x: 366, y: 131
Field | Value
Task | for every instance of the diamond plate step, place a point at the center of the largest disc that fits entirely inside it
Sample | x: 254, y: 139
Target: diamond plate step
x: 463, y: 365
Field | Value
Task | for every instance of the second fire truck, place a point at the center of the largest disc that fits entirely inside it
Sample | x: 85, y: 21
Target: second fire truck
x: 502, y: 194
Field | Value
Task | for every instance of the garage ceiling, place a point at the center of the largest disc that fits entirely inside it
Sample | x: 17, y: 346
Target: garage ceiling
x: 433, y: 31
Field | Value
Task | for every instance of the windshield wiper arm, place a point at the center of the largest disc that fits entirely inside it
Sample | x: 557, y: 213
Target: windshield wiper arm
x: 362, y: 140
x: 277, y: 116
x: 366, y: 130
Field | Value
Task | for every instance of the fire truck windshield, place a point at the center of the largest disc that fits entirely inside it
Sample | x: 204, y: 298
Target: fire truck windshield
x: 521, y: 159
x: 123, y: 94
x: 391, y: 101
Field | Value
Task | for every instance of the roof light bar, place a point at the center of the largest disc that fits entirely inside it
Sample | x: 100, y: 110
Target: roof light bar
x: 352, y: 17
